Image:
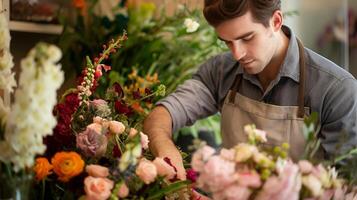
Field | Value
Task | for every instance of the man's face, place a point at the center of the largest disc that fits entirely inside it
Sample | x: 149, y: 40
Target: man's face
x: 251, y: 43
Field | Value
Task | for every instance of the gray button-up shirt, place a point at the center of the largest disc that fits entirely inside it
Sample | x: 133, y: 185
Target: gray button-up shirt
x: 330, y: 91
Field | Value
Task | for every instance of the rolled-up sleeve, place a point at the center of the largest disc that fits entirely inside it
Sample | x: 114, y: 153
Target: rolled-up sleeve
x: 339, y: 117
x: 191, y: 101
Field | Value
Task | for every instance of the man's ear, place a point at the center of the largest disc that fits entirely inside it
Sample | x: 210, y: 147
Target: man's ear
x: 276, y: 20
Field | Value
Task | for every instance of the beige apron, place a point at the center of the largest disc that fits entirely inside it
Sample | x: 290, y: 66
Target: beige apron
x: 282, y: 123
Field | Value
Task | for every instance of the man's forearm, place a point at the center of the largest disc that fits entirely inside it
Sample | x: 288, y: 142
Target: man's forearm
x: 158, y: 127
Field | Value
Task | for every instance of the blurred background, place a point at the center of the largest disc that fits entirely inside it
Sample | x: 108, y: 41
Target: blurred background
x: 160, y: 43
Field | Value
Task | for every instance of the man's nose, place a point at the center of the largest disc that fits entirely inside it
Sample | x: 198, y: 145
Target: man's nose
x: 237, y: 50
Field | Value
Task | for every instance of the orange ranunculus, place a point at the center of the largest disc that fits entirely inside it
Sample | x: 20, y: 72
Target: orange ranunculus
x: 80, y: 4
x: 42, y: 168
x: 67, y: 165
x: 137, y: 107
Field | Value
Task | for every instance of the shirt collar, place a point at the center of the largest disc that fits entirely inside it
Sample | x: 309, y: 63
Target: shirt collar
x: 290, y: 66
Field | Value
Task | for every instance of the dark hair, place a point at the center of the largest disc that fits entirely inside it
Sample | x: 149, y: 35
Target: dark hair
x: 218, y: 11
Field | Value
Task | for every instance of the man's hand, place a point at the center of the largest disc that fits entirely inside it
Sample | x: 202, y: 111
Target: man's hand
x: 158, y: 126
x: 169, y: 150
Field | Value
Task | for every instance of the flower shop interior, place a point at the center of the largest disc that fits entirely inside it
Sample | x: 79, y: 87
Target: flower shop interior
x: 82, y: 76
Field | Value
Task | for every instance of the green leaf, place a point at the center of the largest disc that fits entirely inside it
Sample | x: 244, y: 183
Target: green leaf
x: 169, y: 189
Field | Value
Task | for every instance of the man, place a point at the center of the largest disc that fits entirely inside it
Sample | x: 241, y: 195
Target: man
x: 267, y: 78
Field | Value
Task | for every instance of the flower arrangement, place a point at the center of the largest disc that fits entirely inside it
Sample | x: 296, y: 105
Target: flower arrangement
x: 251, y: 171
x: 97, y: 150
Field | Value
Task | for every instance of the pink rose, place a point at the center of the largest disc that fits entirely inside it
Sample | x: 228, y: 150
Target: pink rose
x: 123, y: 191
x: 286, y: 186
x: 98, y: 103
x: 92, y: 142
x: 97, y: 171
x: 132, y: 132
x: 97, y: 120
x: 98, y: 128
x: 164, y: 169
x: 305, y: 166
x: 249, y: 179
x: 146, y: 171
x: 97, y: 188
x: 200, y: 157
x: 116, y: 127
x: 144, y: 140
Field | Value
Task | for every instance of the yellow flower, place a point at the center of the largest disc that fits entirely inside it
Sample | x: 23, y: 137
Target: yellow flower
x: 42, y: 168
x: 67, y: 165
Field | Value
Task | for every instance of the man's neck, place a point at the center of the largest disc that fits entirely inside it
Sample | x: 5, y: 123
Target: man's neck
x: 272, y: 69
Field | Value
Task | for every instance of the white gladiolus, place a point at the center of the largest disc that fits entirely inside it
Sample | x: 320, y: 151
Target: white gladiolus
x: 31, y: 116
x: 191, y: 25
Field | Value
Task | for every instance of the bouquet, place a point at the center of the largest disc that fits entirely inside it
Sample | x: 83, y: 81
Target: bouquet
x: 97, y: 150
x: 251, y: 171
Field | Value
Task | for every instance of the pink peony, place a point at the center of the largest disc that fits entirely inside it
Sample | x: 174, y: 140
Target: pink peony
x: 217, y: 174
x: 200, y: 157
x: 116, y: 127
x: 286, y: 186
x: 164, y: 169
x: 146, y: 171
x: 92, y: 142
x: 97, y: 171
x: 249, y: 179
x: 305, y: 166
x: 234, y: 192
x: 123, y: 191
x: 97, y: 188
x: 144, y: 140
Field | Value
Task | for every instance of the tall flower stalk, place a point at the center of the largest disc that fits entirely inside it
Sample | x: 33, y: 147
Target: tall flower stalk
x: 7, y: 80
x: 93, y: 71
x: 31, y: 115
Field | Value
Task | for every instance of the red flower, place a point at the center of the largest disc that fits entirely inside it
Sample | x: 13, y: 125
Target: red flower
x: 116, y: 152
x: 136, y: 94
x: 121, y: 108
x: 72, y: 101
x: 191, y: 175
x: 118, y: 89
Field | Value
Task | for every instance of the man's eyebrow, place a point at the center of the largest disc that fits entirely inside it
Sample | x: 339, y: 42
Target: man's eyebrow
x: 239, y: 37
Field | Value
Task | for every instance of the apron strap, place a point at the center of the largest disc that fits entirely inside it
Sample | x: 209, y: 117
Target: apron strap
x: 234, y: 88
x: 301, y: 95
x: 301, y: 110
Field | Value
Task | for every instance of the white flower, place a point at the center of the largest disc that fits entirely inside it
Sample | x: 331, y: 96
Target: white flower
x: 255, y: 134
x: 313, y: 184
x: 7, y: 80
x: 31, y: 116
x: 4, y: 32
x: 191, y: 25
